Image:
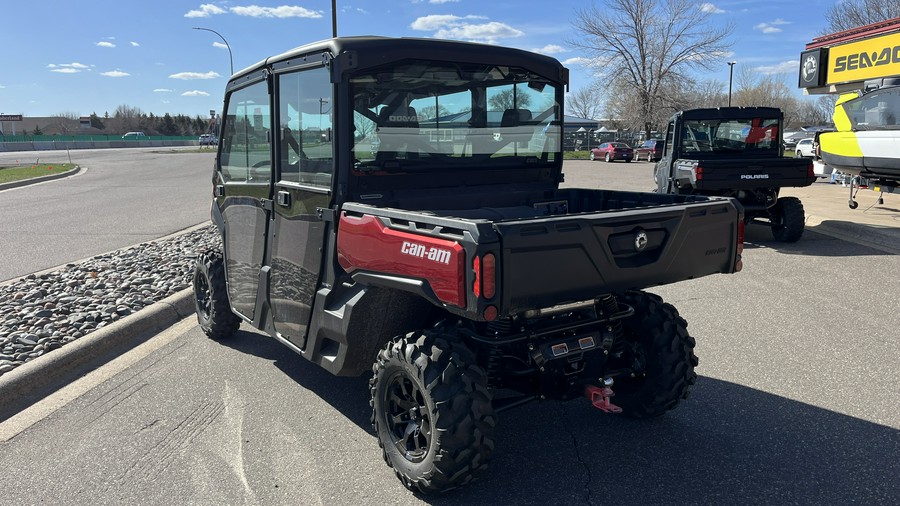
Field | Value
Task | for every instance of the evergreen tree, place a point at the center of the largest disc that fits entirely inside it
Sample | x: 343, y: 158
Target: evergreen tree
x: 96, y: 122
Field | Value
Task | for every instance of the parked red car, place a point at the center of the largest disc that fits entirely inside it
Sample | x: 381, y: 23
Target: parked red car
x: 610, y: 151
x: 650, y: 150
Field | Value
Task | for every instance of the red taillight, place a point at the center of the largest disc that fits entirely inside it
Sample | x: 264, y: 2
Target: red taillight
x: 489, y: 278
x: 740, y: 237
x: 485, y: 282
x: 809, y: 170
x: 698, y: 173
x: 476, y: 285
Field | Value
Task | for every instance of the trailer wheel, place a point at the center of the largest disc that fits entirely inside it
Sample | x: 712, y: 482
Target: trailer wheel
x: 211, y: 297
x: 787, y: 219
x: 431, y: 411
x: 663, y: 354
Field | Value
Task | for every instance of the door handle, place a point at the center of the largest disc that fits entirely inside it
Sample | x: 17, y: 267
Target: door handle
x: 284, y: 198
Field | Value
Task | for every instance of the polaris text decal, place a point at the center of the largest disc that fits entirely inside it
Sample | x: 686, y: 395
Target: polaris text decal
x: 438, y: 255
x: 754, y: 176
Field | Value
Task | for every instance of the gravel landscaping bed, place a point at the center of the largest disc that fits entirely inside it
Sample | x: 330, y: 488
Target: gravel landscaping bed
x: 42, y: 312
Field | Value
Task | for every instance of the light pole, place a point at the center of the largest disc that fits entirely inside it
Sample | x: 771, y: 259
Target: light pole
x: 230, y: 59
x: 730, y: 76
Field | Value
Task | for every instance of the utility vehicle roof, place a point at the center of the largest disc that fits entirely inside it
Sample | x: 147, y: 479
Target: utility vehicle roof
x: 730, y: 113
x: 373, y: 51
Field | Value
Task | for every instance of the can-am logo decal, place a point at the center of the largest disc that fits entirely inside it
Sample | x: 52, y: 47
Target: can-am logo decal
x: 754, y: 176
x: 438, y: 255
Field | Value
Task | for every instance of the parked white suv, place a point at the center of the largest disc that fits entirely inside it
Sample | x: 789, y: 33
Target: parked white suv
x: 804, y: 149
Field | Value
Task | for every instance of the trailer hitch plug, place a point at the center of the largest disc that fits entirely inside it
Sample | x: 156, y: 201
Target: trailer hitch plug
x: 599, y: 397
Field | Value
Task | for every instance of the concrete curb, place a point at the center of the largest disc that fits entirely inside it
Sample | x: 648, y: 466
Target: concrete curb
x: 872, y: 236
x: 36, y: 180
x: 34, y: 380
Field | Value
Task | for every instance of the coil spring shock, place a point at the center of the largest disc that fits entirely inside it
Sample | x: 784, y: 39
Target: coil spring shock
x: 609, y: 306
x: 494, y: 355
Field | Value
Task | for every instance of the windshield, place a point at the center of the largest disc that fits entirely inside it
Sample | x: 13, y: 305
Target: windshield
x: 426, y: 115
x: 731, y: 135
x: 878, y: 110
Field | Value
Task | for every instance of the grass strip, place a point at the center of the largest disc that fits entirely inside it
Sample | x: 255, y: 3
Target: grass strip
x: 11, y: 174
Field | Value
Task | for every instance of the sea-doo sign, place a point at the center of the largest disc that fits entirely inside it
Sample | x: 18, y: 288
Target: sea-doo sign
x: 866, y: 59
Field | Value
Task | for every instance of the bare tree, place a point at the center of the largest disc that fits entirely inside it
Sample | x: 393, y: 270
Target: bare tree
x: 65, y: 121
x: 650, y: 44
x: 508, y: 99
x: 855, y: 13
x: 586, y: 102
x: 768, y: 90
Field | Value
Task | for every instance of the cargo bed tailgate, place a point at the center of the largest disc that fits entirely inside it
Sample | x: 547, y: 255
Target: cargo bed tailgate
x: 548, y: 261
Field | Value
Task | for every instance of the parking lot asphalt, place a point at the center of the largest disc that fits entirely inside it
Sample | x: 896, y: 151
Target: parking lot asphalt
x: 827, y: 212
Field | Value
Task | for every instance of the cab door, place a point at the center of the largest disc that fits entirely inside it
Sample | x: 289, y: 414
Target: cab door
x: 243, y: 190
x: 303, y: 192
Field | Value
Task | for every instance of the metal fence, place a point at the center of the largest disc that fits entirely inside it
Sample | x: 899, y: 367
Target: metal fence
x: 48, y: 142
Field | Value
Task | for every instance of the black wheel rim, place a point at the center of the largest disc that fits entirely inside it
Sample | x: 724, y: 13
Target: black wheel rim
x: 203, y: 295
x: 406, y: 417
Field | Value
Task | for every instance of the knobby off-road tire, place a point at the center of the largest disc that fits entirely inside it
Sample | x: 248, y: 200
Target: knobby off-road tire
x: 431, y: 411
x: 211, y: 297
x: 666, y: 351
x: 788, y: 219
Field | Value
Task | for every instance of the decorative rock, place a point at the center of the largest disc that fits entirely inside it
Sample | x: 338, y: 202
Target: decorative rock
x: 40, y: 313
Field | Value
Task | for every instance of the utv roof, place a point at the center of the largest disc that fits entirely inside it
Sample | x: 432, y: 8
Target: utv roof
x: 372, y: 51
x: 730, y: 113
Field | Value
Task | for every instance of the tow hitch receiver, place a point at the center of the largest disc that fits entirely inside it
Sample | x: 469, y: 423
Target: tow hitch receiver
x: 599, y: 397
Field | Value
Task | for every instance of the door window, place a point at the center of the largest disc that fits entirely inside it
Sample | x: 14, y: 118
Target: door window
x: 305, y: 107
x: 245, y: 142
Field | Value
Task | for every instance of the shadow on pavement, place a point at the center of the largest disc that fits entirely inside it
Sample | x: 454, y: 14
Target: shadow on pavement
x: 727, y: 443
x: 350, y: 396
x: 813, y: 243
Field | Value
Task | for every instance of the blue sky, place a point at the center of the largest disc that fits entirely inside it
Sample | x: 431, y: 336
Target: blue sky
x: 92, y: 56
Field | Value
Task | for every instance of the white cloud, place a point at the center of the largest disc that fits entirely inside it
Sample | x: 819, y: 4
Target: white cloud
x: 67, y: 68
x: 578, y: 60
x: 772, y: 27
x: 549, y: 49
x: 205, y: 11
x: 786, y: 67
x: 448, y: 26
x: 195, y: 93
x: 115, y: 73
x: 220, y: 45
x: 187, y: 76
x: 711, y: 8
x: 442, y: 1
x: 2, y: 87
x: 284, y: 11
x: 134, y: 44
x: 162, y: 90
x: 486, y: 32
x: 105, y: 44
x: 436, y: 21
